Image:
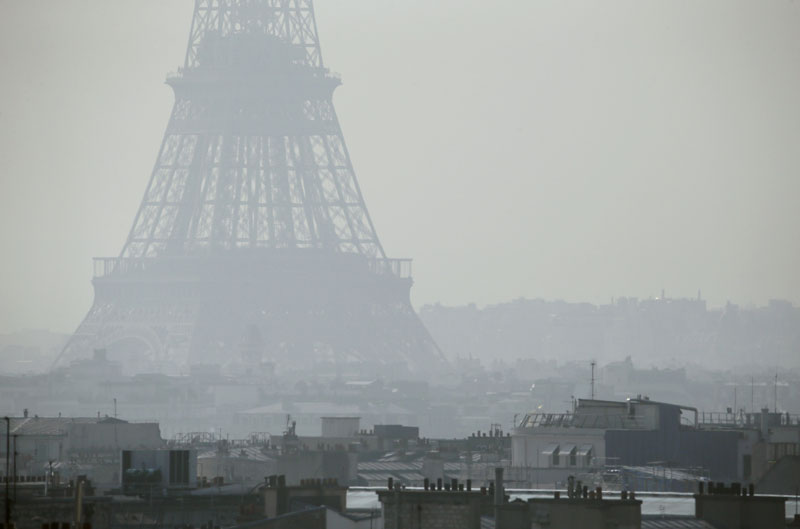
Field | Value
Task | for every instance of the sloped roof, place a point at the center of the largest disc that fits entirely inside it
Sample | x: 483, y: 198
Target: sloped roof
x: 782, y: 478
x: 52, y: 425
x: 252, y: 453
x: 674, y: 522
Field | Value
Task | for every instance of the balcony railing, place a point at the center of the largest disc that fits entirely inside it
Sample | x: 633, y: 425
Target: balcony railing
x: 396, y: 267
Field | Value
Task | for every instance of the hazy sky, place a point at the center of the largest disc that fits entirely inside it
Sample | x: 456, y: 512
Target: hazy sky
x: 559, y: 149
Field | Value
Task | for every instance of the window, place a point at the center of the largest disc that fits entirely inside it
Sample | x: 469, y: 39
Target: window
x: 569, y: 451
x: 746, y: 466
x: 551, y: 454
x: 179, y: 467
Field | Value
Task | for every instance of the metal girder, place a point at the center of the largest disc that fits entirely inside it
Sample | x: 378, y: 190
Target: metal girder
x: 253, y: 221
x: 291, y: 21
x: 253, y: 156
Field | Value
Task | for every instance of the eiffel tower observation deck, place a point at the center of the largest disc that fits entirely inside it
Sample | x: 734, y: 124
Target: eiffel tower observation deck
x: 253, y: 243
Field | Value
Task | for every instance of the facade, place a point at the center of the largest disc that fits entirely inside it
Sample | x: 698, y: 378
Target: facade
x: 732, y: 507
x: 155, y: 471
x: 76, y: 445
x: 434, y: 509
x: 340, y: 426
x: 571, y: 513
x: 460, y: 507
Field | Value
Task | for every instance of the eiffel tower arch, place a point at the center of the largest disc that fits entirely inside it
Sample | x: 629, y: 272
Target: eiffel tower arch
x: 253, y: 241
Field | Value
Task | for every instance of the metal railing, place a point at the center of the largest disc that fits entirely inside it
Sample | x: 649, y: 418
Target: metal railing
x: 120, y: 266
x: 581, y: 420
x: 746, y: 419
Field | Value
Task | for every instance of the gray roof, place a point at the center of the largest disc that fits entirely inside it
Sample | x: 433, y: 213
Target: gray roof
x: 394, y: 466
x: 674, y: 522
x: 51, y: 425
x: 251, y: 453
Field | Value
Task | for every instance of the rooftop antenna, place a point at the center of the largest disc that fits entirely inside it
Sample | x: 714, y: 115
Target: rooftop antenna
x: 776, y: 392
x: 593, y: 366
x: 8, y: 473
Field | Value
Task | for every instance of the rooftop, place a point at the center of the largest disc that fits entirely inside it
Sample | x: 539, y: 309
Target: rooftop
x: 53, y: 425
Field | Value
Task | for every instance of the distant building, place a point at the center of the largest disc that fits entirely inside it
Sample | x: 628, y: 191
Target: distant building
x: 235, y: 464
x: 76, y: 445
x: 158, y: 471
x: 638, y: 432
x: 340, y: 426
x: 309, y: 415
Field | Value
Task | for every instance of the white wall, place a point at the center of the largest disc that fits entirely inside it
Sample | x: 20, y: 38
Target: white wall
x: 527, y: 445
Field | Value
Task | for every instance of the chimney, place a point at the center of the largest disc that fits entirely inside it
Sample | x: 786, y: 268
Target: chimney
x: 498, y: 495
x: 498, y: 486
x: 765, y: 423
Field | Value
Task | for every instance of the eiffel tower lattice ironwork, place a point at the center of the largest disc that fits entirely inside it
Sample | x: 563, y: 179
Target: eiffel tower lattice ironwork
x: 253, y: 241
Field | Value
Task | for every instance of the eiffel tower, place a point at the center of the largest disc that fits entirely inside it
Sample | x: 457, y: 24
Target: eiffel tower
x: 253, y: 242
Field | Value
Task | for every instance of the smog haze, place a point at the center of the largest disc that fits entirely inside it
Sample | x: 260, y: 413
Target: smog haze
x: 567, y: 150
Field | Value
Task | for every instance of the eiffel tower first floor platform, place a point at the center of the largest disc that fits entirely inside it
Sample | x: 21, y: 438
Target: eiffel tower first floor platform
x: 296, y: 310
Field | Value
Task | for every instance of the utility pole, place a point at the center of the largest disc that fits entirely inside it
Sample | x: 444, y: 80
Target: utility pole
x: 776, y: 392
x: 8, y: 468
x: 15, y: 468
